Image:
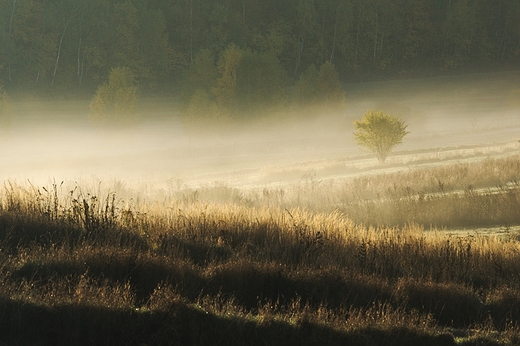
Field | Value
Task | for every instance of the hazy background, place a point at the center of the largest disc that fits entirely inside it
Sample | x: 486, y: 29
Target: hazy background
x: 288, y: 76
x: 54, y: 140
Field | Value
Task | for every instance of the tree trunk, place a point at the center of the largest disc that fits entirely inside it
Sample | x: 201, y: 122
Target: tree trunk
x: 357, y: 35
x: 301, y: 41
x: 375, y: 36
x: 10, y: 29
x: 79, y: 72
x: 503, y: 45
x: 79, y: 62
x: 334, y: 37
x: 191, y: 30
x: 59, y: 46
x: 57, y: 58
x: 12, y: 16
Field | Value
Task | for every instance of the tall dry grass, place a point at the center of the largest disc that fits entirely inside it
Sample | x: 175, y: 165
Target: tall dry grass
x: 255, y: 270
x: 473, y: 194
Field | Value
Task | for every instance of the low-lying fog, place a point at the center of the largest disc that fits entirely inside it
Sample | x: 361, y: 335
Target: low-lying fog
x: 54, y: 140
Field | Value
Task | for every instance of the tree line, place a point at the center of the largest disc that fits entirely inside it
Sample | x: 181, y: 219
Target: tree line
x: 189, y: 44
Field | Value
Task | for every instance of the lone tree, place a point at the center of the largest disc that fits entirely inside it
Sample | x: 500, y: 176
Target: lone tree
x: 380, y: 132
x: 116, y: 100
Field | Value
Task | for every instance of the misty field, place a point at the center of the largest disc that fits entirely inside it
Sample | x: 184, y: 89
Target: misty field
x: 340, y: 172
x: 370, y: 263
x: 278, y: 231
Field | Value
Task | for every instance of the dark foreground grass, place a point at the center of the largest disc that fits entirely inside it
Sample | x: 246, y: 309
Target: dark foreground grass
x: 78, y: 269
x: 183, y: 324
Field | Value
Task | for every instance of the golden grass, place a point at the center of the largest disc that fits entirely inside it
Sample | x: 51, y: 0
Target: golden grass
x: 197, y: 269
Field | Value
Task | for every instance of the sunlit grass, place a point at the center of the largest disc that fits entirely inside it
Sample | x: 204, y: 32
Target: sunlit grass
x: 483, y: 193
x: 286, y: 265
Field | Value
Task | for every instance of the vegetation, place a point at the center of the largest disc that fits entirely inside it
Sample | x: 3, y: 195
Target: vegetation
x: 320, y: 88
x: 231, y: 60
x: 5, y: 106
x: 86, y: 267
x: 380, y: 132
x: 73, y: 45
x: 381, y: 259
x: 116, y: 100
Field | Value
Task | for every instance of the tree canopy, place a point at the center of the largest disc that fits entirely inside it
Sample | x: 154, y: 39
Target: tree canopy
x: 74, y: 44
x: 379, y: 132
x: 115, y: 101
x: 5, y: 107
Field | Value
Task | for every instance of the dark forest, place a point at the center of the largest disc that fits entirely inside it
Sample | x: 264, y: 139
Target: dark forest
x: 71, y: 45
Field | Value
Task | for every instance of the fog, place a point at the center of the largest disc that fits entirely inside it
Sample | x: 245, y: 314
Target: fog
x: 53, y: 140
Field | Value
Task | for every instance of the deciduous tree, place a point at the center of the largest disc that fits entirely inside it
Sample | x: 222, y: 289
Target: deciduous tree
x: 5, y: 106
x: 116, y: 100
x: 76, y: 42
x: 320, y: 88
x: 261, y: 83
x: 201, y: 75
x: 379, y: 132
x: 225, y: 89
x: 203, y: 112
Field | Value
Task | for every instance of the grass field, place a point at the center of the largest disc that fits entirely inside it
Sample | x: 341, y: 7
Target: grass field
x: 365, y: 261
x: 276, y: 232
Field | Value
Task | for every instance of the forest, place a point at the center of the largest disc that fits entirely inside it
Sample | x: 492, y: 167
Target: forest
x: 172, y: 46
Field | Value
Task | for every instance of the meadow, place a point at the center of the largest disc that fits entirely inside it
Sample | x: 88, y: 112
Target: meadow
x: 376, y: 259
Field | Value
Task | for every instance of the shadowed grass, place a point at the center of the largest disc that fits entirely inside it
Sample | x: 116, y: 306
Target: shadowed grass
x: 209, y: 273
